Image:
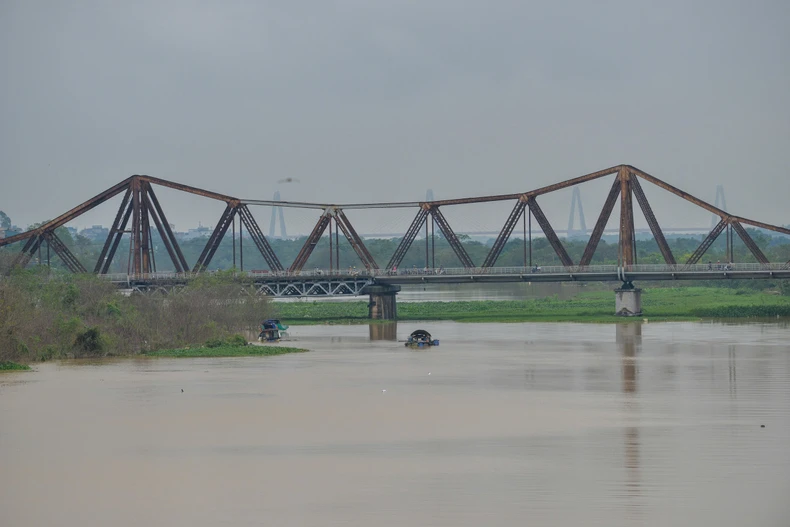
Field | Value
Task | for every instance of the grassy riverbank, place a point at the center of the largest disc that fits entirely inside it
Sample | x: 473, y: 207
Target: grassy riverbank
x: 658, y: 304
x: 226, y: 351
x: 13, y: 366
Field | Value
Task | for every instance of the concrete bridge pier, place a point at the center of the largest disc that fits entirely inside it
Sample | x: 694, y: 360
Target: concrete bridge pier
x: 628, y: 301
x: 382, y: 305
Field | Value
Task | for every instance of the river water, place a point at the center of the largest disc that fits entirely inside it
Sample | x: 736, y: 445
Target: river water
x: 502, y: 424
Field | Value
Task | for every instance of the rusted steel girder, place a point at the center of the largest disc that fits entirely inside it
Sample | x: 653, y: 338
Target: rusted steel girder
x: 504, y: 234
x: 137, y: 239
x: 627, y: 234
x: 168, y: 243
x: 214, y: 240
x: 408, y: 238
x: 260, y: 240
x: 600, y: 225
x: 71, y: 214
x: 652, y: 222
x: 165, y: 232
x: 356, y: 242
x: 571, y: 182
x: 749, y: 242
x: 761, y: 225
x: 101, y: 263
x: 189, y: 189
x: 63, y: 252
x: 707, y: 242
x: 28, y: 250
x: 531, y: 193
x: 311, y: 242
x: 116, y: 237
x: 676, y: 191
x: 451, y: 238
x: 548, y: 231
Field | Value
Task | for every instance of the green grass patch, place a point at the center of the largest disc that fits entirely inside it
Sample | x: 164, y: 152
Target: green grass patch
x: 658, y: 304
x: 226, y: 351
x: 13, y: 366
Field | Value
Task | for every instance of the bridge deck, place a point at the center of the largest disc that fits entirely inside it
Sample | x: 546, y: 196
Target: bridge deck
x: 320, y: 282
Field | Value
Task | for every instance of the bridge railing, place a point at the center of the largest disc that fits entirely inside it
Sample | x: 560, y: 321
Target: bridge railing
x: 323, y: 274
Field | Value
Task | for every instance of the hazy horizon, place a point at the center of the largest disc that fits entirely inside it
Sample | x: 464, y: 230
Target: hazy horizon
x: 365, y: 102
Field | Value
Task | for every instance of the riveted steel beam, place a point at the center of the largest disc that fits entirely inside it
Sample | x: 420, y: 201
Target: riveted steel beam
x: 627, y: 234
x: 63, y: 252
x: 600, y: 225
x: 451, y: 238
x: 749, y: 242
x: 408, y: 238
x: 189, y: 189
x: 548, y: 231
x: 214, y: 240
x: 707, y: 242
x: 259, y: 239
x: 162, y: 233
x: 311, y: 243
x: 652, y: 222
x: 114, y: 228
x: 356, y: 242
x: 504, y: 234
x: 165, y: 231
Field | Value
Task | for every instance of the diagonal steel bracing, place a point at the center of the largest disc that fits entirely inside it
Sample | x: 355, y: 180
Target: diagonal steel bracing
x: 115, y: 236
x: 749, y: 242
x: 114, y: 228
x: 28, y: 250
x: 260, y: 240
x: 707, y: 242
x: 451, y: 238
x: 600, y: 225
x: 311, y: 242
x: 504, y: 234
x: 214, y: 240
x: 356, y: 242
x: 168, y: 243
x: 408, y: 238
x: 548, y: 231
x: 652, y: 222
x: 165, y: 232
x: 65, y: 254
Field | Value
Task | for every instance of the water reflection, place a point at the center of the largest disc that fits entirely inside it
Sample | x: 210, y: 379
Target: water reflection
x: 384, y: 331
x: 629, y: 343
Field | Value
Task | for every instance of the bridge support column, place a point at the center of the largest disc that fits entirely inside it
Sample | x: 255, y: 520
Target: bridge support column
x: 628, y: 301
x: 382, y: 305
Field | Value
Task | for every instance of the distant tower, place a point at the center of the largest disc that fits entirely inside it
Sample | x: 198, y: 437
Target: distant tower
x: 275, y: 210
x: 721, y: 203
x: 429, y: 195
x: 577, y: 198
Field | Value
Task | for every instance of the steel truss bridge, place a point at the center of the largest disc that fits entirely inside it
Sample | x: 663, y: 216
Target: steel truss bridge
x: 140, y: 212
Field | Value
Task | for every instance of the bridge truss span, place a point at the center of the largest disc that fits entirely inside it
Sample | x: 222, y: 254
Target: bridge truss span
x: 141, y: 214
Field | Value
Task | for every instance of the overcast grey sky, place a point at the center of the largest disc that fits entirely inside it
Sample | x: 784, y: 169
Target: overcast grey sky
x: 366, y: 100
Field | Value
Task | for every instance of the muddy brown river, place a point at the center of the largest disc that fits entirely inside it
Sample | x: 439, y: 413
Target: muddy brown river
x: 672, y: 424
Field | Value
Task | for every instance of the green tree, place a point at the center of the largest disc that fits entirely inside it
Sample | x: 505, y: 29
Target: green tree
x: 5, y: 221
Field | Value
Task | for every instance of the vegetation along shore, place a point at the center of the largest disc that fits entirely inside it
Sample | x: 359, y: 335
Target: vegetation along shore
x: 52, y: 316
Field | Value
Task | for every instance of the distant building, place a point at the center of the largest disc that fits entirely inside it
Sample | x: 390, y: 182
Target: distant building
x: 12, y: 231
x: 96, y: 232
x: 200, y: 232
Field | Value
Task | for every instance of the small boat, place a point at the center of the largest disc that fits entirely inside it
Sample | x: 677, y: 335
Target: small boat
x: 271, y: 330
x: 420, y: 339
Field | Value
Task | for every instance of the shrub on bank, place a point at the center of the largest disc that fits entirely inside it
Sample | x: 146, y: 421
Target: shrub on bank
x: 46, y: 317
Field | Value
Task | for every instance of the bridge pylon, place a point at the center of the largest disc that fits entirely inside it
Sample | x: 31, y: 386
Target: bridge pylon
x: 577, y: 200
x: 719, y: 203
x: 277, y: 211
